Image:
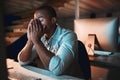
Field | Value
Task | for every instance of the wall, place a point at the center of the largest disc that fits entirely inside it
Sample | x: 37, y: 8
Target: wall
x: 66, y: 22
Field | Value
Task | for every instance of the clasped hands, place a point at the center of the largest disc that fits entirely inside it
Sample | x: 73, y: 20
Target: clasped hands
x: 35, y: 30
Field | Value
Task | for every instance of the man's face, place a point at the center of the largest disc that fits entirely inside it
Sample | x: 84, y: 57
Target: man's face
x: 45, y: 19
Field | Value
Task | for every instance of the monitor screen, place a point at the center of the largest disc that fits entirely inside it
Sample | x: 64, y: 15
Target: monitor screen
x: 105, y: 31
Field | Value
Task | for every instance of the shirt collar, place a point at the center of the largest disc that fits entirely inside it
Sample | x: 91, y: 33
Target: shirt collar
x: 55, y: 35
x: 57, y: 32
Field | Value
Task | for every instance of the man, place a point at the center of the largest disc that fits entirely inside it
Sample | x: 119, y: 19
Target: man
x: 49, y: 46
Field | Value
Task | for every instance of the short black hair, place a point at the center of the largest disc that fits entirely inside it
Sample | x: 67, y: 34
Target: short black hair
x: 51, y: 11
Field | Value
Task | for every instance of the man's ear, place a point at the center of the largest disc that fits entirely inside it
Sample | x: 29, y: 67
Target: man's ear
x: 54, y: 20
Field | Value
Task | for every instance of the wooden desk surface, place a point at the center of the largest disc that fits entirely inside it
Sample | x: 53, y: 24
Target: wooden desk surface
x: 105, y: 67
x: 16, y: 72
x: 106, y: 61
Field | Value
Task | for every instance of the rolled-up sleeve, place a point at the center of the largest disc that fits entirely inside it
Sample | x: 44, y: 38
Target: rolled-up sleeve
x: 64, y: 56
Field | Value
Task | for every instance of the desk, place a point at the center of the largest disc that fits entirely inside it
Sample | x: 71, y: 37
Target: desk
x: 105, y: 67
x: 16, y: 72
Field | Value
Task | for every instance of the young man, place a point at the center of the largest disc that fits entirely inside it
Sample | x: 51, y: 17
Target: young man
x: 49, y: 46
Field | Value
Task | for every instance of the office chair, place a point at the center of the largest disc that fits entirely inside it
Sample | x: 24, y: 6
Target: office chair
x: 14, y: 48
x: 84, y: 61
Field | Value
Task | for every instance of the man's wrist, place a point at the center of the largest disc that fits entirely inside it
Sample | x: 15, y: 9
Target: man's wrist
x: 29, y: 42
x: 37, y: 42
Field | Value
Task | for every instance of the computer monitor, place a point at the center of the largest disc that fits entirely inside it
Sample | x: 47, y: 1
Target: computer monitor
x: 103, y: 32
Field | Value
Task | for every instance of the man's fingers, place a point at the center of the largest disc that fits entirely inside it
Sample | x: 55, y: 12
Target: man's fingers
x: 30, y: 25
x: 37, y: 26
x: 40, y: 25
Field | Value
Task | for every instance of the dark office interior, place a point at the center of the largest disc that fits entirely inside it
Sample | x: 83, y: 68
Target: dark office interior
x: 16, y: 14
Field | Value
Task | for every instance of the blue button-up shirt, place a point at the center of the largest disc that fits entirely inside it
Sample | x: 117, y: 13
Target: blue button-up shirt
x: 63, y: 44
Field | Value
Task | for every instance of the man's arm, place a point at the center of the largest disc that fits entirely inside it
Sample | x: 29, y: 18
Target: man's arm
x: 36, y: 32
x: 26, y: 52
x: 65, y: 54
x: 43, y: 53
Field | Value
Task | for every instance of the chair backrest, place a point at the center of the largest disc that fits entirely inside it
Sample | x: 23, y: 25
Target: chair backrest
x: 14, y: 48
x: 84, y: 61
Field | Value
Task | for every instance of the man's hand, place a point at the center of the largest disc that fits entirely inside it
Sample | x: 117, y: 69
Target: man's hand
x: 35, y: 30
x: 28, y: 30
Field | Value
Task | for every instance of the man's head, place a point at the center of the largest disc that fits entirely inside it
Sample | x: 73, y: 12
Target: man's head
x: 50, y: 10
x: 47, y: 16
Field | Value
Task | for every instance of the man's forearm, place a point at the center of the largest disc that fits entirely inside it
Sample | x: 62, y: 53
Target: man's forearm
x: 26, y: 52
x: 43, y: 53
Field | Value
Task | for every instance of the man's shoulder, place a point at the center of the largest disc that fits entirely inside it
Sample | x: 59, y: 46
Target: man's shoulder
x: 68, y: 34
x: 65, y: 31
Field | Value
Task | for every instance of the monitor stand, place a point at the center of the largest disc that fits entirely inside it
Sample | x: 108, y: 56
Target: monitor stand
x: 90, y: 44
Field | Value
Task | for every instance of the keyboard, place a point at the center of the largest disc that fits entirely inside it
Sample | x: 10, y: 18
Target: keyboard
x: 104, y: 53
